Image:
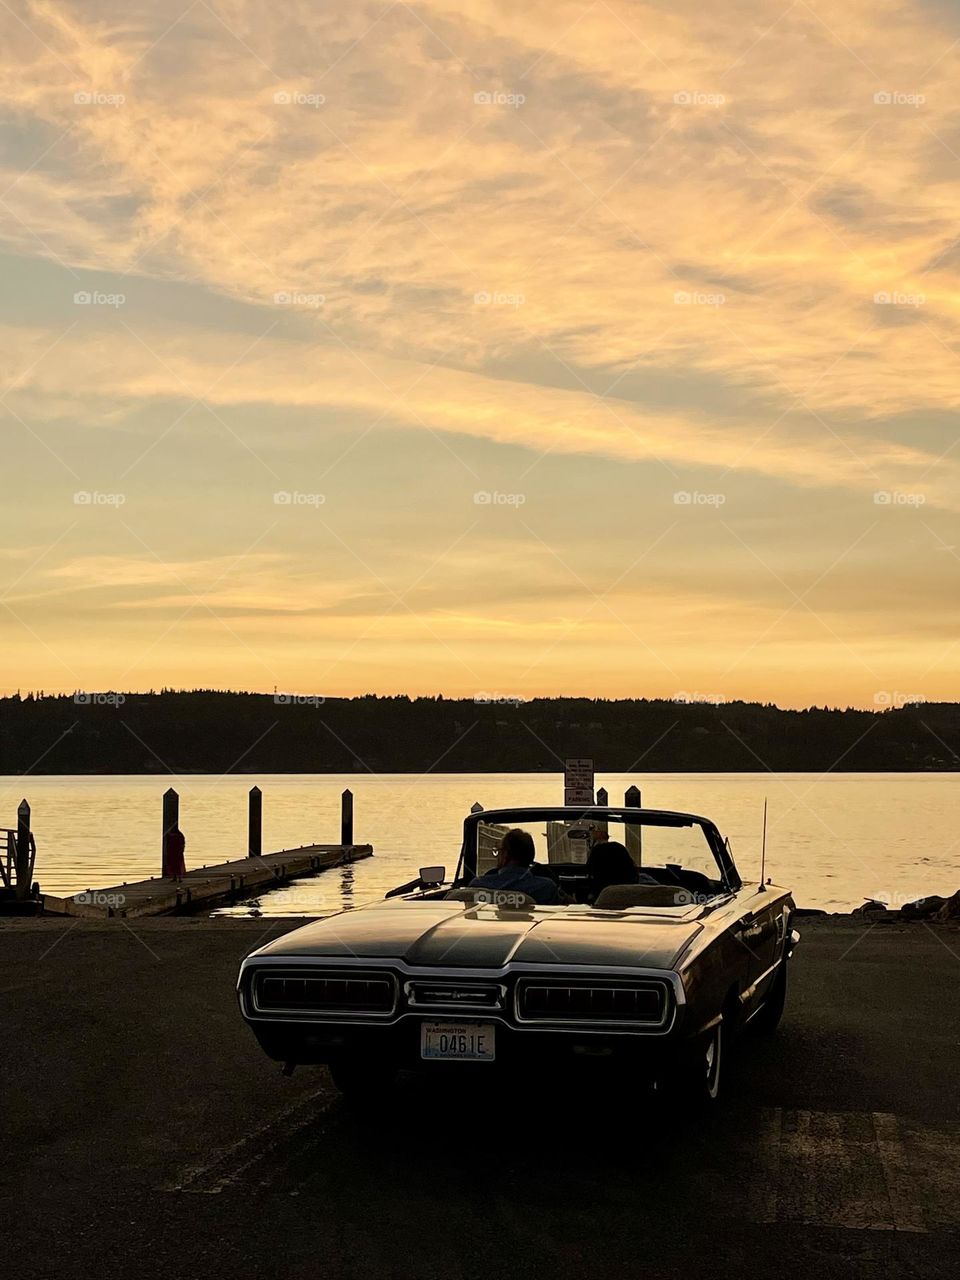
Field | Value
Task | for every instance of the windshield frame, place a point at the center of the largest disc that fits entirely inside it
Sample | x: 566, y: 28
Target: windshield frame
x: 517, y: 815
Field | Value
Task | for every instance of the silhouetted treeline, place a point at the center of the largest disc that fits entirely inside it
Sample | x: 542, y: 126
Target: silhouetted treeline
x: 215, y: 732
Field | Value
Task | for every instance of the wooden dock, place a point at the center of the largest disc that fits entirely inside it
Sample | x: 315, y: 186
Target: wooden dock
x: 206, y: 886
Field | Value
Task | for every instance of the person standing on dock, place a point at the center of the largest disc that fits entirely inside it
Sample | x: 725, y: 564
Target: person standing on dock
x: 174, y: 845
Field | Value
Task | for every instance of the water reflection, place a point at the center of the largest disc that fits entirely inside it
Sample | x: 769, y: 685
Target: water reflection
x: 347, y: 873
x: 837, y: 839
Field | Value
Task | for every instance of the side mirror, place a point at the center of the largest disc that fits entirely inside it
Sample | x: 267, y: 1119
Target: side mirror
x: 432, y: 875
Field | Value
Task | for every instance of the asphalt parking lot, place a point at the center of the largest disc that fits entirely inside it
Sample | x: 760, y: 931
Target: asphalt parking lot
x: 145, y: 1133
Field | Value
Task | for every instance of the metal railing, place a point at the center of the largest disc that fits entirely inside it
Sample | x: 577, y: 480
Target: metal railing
x: 16, y: 872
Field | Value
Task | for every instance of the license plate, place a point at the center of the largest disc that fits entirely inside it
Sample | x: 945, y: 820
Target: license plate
x: 458, y: 1041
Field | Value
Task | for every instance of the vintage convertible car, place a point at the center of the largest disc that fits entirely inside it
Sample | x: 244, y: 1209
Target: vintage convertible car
x: 656, y: 974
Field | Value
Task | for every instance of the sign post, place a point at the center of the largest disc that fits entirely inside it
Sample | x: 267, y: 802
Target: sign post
x: 578, y: 782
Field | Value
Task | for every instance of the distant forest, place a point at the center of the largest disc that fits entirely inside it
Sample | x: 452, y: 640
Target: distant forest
x: 216, y: 732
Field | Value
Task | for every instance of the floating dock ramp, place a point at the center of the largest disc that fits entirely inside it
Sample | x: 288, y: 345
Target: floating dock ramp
x: 206, y: 886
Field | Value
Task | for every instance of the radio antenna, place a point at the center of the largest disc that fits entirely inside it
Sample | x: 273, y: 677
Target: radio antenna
x: 763, y: 847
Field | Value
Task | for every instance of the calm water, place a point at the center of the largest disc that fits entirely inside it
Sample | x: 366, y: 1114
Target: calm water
x: 835, y: 839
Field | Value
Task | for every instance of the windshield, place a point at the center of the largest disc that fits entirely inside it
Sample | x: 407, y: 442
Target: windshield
x: 585, y: 855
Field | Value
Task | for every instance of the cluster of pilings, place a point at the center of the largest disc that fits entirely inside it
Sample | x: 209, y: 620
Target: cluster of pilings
x: 633, y: 834
x: 171, y: 819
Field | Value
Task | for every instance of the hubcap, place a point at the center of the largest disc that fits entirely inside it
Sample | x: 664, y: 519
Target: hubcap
x: 711, y: 1060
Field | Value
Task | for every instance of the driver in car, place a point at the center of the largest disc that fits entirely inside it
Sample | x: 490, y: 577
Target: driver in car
x: 513, y: 870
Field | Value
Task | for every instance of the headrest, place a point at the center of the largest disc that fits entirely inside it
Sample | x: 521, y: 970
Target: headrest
x: 644, y: 895
x: 511, y: 899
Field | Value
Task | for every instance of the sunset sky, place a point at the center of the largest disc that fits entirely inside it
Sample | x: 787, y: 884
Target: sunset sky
x: 509, y: 348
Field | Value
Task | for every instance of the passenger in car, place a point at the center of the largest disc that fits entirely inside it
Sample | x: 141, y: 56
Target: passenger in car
x: 513, y: 870
x: 610, y: 863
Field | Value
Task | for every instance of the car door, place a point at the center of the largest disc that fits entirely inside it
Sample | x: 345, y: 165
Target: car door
x: 760, y: 931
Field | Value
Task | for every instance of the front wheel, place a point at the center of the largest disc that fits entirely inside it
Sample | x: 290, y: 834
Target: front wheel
x: 694, y: 1083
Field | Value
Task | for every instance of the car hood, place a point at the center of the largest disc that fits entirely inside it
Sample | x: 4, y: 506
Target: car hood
x: 450, y: 935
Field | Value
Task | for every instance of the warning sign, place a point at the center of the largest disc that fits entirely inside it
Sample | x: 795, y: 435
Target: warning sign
x: 578, y: 782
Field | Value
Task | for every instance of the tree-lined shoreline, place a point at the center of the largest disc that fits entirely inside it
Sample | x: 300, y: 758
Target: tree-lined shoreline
x: 211, y: 731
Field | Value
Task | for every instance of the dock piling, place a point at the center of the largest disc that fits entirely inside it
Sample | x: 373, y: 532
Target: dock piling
x: 634, y: 834
x: 24, y: 858
x: 171, y: 820
x: 346, y: 818
x: 255, y: 823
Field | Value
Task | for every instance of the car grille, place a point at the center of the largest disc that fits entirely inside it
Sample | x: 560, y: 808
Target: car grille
x: 601, y: 1002
x: 347, y: 994
x: 454, y: 995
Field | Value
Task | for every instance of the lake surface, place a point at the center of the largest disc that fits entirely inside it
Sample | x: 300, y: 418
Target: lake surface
x: 835, y: 839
